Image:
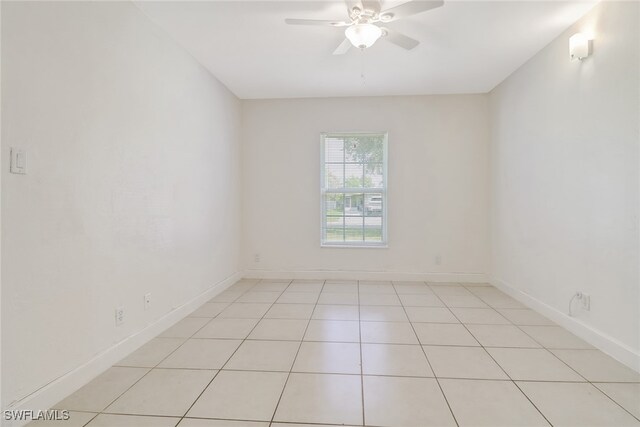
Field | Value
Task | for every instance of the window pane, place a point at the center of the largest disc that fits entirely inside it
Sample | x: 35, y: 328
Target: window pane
x: 364, y: 148
x: 353, y: 175
x: 373, y: 204
x: 334, y: 204
x: 353, y: 234
x: 334, y: 176
x: 373, y: 175
x: 334, y: 150
x: 353, y: 204
x: 334, y: 235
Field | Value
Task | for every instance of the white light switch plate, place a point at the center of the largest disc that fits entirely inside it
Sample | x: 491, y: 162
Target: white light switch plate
x: 18, y: 161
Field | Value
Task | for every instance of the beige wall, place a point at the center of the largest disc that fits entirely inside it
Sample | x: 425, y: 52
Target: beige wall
x: 565, y: 193
x: 132, y: 184
x: 437, y: 186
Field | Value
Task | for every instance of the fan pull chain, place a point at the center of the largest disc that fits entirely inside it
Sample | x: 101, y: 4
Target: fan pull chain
x: 362, y: 76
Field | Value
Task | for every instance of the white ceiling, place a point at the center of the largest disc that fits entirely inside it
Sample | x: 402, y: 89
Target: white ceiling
x: 466, y: 46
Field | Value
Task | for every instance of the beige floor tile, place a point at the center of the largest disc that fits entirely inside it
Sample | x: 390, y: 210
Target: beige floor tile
x: 535, y: 364
x: 290, y: 311
x: 525, y: 317
x: 76, y: 419
x: 443, y: 284
x: 413, y: 289
x: 167, y: 392
x: 395, y: 359
x: 306, y: 425
x: 340, y: 298
x: 383, y: 313
x: 340, y: 282
x: 298, y: 298
x: 387, y: 333
x: 333, y: 330
x: 333, y: 288
x: 478, y: 403
x: 259, y: 297
x: 264, y: 356
x: 279, y: 329
x: 210, y: 309
x: 377, y: 289
x: 245, y: 311
x: 421, y: 300
x: 502, y: 336
x: 314, y: 288
x: 240, y: 395
x: 270, y: 287
x: 626, y: 395
x: 576, y: 404
x: 201, y: 422
x: 444, y: 334
x: 152, y: 353
x: 185, y: 328
x: 112, y: 420
x: 502, y: 301
x: 463, y: 362
x: 201, y: 353
x: 393, y: 401
x: 321, y: 398
x: 328, y: 358
x: 555, y: 337
x: 374, y: 282
x: 226, y: 296
x: 596, y: 366
x: 431, y: 315
x: 336, y: 312
x: 480, y: 316
x: 463, y: 301
x: 101, y: 391
x: 379, y: 299
x: 227, y: 328
x: 451, y: 291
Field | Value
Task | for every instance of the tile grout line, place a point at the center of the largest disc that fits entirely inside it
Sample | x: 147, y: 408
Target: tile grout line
x: 232, y: 354
x: 286, y: 381
x: 455, y: 420
x: 364, y: 421
x: 500, y: 366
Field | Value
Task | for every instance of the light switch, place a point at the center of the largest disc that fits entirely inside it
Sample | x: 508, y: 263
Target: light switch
x: 18, y: 161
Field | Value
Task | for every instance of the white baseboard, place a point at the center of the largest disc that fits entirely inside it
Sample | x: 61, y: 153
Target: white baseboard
x: 366, y: 275
x: 66, y: 384
x: 609, y: 345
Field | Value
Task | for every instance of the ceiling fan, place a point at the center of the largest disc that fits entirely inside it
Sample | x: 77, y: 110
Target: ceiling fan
x: 362, y: 30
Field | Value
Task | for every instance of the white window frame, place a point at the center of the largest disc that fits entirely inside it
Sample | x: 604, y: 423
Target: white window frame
x: 384, y: 191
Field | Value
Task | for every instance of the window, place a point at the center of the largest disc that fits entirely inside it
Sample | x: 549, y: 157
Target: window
x: 354, y: 189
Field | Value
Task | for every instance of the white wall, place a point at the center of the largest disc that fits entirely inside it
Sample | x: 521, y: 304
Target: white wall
x: 565, y: 192
x: 437, y: 186
x: 132, y: 184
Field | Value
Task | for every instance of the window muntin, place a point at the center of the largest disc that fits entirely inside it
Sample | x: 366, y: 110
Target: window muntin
x: 354, y: 189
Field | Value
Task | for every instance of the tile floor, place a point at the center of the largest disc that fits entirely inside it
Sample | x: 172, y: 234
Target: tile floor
x: 293, y: 353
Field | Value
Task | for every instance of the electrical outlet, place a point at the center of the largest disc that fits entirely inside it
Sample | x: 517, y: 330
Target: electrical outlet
x: 119, y: 315
x: 18, y: 161
x: 147, y: 301
x: 585, y: 302
x: 438, y: 259
x: 256, y: 258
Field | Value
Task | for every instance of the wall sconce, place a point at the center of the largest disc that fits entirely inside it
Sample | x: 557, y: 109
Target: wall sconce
x: 578, y: 46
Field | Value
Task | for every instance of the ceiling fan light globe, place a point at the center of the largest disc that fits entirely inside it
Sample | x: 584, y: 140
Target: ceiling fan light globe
x: 363, y: 35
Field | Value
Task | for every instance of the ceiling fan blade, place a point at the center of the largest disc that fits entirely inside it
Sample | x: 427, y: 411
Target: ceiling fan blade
x: 343, y: 48
x: 323, y: 22
x: 373, y: 5
x: 399, y: 39
x: 410, y: 8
